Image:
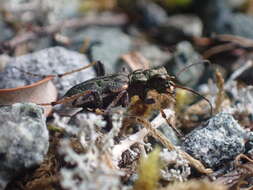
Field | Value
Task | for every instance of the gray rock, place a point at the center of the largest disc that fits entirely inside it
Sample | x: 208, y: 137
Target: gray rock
x: 46, y: 12
x: 236, y: 3
x: 154, y: 55
x: 219, y: 18
x: 152, y: 15
x: 54, y: 60
x: 177, y: 28
x: 4, y: 59
x: 219, y: 141
x: 107, y: 45
x: 5, y: 32
x: 169, y: 133
x: 59, y: 9
x: 189, y: 24
x: 24, y: 139
x: 183, y: 56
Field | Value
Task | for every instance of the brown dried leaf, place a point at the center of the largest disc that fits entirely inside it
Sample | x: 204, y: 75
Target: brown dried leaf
x: 42, y: 91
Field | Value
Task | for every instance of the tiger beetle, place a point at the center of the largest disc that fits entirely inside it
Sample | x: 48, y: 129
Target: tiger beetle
x: 105, y: 92
x: 102, y: 93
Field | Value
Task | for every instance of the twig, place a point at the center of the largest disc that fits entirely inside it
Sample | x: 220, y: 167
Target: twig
x: 221, y: 94
x: 136, y: 138
x: 218, y: 49
x: 237, y: 73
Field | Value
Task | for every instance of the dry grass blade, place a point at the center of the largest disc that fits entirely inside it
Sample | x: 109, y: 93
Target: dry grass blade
x: 221, y: 93
x: 195, y: 185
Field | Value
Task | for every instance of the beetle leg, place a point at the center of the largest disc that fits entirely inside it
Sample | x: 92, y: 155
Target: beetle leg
x: 71, y: 115
x: 172, y: 126
x: 98, y: 99
x: 147, y: 100
x: 100, y: 69
x: 116, y: 100
x: 125, y: 100
x: 67, y: 99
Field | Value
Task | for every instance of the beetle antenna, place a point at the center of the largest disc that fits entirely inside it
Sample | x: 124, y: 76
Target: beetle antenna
x: 188, y: 66
x: 80, y: 69
x: 29, y: 73
x: 198, y: 94
x: 57, y: 75
x: 100, y: 69
x: 66, y: 99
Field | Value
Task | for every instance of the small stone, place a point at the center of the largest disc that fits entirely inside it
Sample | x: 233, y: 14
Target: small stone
x: 221, y: 140
x: 236, y: 3
x: 152, y: 14
x: 219, y: 18
x: 189, y: 24
x: 107, y: 45
x: 178, y: 28
x: 154, y: 55
x: 169, y: 133
x: 5, y: 33
x: 24, y: 139
x: 4, y: 59
x: 56, y: 60
x: 183, y: 56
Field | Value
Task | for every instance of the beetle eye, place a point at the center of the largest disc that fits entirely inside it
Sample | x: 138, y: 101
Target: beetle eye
x: 159, y: 76
x: 168, y: 83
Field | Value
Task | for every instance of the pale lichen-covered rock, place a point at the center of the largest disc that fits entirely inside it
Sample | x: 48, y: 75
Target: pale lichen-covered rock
x: 176, y: 167
x: 55, y: 60
x: 24, y: 139
x: 221, y: 140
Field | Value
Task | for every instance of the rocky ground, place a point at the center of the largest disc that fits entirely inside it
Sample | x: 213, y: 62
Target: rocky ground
x: 185, y: 124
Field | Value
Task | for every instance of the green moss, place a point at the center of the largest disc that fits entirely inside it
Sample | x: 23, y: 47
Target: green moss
x: 54, y: 128
x: 149, y: 172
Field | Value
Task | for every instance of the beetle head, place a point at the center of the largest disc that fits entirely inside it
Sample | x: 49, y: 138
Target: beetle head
x: 138, y: 76
x: 160, y: 80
